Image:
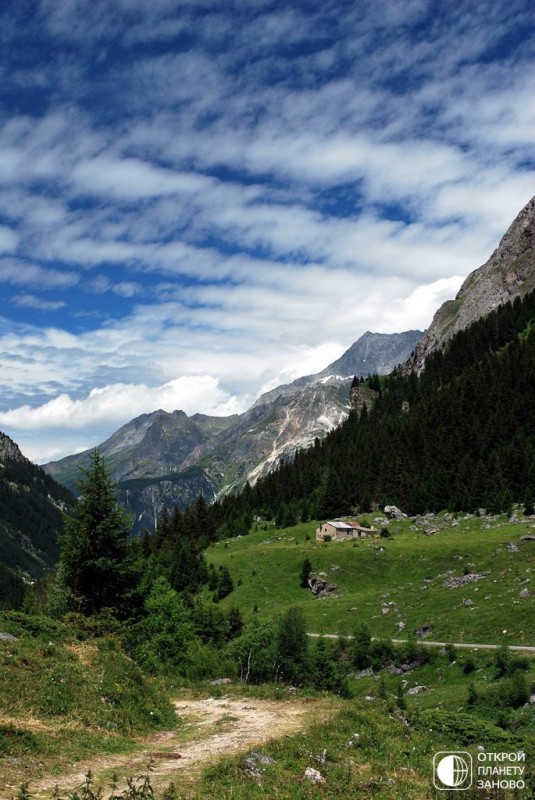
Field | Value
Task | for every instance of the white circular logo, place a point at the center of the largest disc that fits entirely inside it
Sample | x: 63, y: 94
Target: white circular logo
x: 453, y: 771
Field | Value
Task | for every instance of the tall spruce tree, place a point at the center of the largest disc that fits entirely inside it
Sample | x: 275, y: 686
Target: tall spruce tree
x: 292, y: 648
x: 95, y: 569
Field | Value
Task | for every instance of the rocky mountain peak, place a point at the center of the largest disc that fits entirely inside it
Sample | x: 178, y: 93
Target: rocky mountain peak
x: 509, y: 272
x: 9, y: 451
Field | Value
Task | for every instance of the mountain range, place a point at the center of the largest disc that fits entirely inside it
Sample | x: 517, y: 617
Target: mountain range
x: 162, y: 459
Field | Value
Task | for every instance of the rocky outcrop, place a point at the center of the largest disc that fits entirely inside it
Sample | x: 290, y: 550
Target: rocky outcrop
x: 9, y: 451
x: 320, y: 587
x: 509, y: 272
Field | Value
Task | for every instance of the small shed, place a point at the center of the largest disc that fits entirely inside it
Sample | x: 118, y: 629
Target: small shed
x: 338, y: 530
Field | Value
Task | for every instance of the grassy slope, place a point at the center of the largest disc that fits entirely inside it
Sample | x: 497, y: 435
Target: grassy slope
x: 63, y: 699
x: 57, y: 713
x: 391, y: 758
x: 408, y: 575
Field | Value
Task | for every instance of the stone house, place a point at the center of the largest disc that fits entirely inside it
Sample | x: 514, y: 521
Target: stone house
x: 338, y: 531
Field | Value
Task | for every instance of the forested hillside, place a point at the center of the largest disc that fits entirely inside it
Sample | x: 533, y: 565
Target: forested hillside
x: 30, y: 517
x: 460, y: 436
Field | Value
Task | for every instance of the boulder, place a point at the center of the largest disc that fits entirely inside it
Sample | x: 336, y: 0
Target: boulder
x: 393, y: 512
x: 314, y: 776
x: 7, y: 637
x: 253, y: 764
x: 421, y: 633
x: 320, y: 587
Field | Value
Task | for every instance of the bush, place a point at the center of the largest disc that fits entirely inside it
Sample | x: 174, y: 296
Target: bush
x: 513, y: 692
x: 253, y: 653
x: 507, y: 664
x: 382, y: 654
x: 469, y: 665
x: 361, y: 648
x: 450, y: 653
x: 159, y: 641
x: 462, y: 729
x: 205, y: 663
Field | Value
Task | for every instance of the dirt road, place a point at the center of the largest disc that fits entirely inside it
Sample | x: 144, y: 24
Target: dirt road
x: 212, y: 728
x: 520, y: 648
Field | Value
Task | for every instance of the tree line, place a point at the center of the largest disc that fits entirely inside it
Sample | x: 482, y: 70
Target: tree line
x: 458, y: 437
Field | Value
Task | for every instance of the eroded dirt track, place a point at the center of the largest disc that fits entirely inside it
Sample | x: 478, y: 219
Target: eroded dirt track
x: 211, y: 728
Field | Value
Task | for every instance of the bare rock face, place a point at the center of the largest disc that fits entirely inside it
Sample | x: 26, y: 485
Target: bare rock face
x: 509, y: 272
x: 9, y: 450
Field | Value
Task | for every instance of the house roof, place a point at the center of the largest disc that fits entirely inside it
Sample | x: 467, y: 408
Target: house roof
x: 342, y: 525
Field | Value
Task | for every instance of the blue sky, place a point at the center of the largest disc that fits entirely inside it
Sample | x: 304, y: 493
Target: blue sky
x: 202, y: 200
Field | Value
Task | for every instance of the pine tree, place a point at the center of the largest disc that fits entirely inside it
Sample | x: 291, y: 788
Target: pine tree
x: 225, y: 583
x: 306, y: 569
x: 95, y: 567
x: 292, y: 648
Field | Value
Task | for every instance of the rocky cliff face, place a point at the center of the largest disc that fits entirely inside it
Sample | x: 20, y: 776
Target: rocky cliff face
x: 162, y: 459
x: 509, y: 272
x: 9, y: 450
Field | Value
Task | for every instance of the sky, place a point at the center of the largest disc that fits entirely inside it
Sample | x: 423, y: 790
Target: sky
x: 202, y: 200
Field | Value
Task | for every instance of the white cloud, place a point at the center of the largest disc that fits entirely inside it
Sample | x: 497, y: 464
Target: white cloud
x: 8, y: 240
x: 238, y: 190
x: 119, y: 403
x: 31, y: 301
x: 19, y: 273
x: 133, y: 179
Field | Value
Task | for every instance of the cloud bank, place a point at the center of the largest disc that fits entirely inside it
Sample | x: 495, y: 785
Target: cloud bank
x: 200, y: 201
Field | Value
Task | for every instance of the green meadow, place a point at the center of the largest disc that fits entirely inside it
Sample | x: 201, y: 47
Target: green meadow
x: 404, y: 573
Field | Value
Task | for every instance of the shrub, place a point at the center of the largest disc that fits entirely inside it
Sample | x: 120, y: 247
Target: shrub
x: 253, y: 652
x: 159, y: 641
x: 462, y: 728
x: 361, y: 648
x: 469, y: 665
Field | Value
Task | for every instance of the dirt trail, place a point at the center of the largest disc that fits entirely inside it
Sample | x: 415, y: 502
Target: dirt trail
x: 212, y: 728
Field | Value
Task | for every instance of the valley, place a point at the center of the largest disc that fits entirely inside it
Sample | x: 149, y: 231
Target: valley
x: 183, y: 609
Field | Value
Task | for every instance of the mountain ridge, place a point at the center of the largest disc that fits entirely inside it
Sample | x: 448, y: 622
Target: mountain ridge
x: 169, y: 458
x: 508, y: 273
